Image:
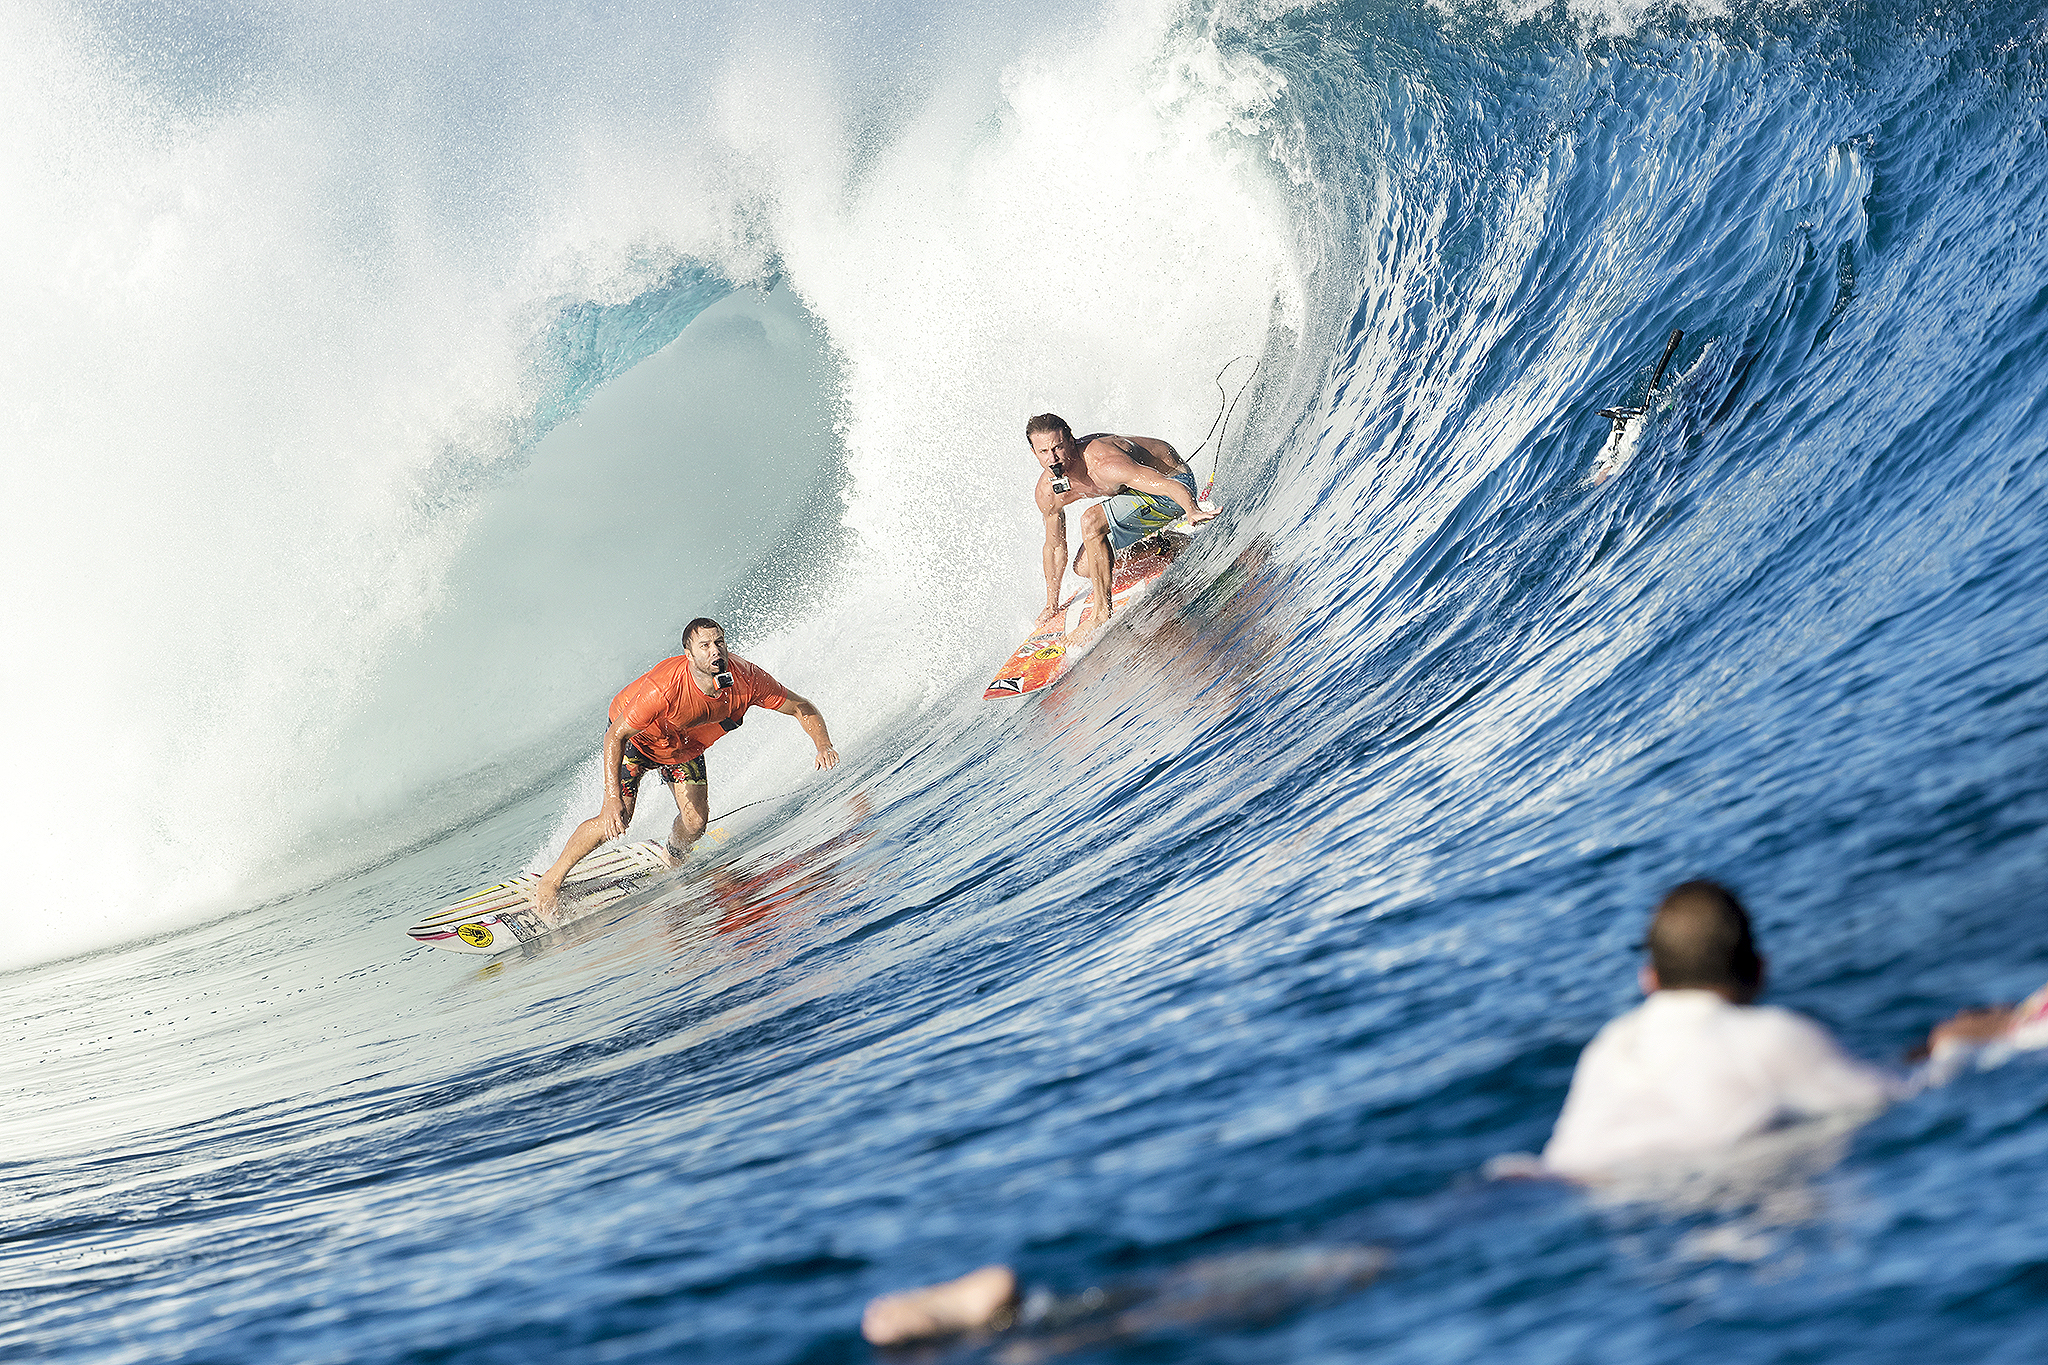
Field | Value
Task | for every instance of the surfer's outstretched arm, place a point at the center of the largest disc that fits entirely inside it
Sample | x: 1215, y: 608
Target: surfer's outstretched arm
x: 1055, y: 556
x: 1114, y: 466
x: 979, y: 1299
x: 813, y: 721
x: 617, y: 811
x: 1971, y: 1028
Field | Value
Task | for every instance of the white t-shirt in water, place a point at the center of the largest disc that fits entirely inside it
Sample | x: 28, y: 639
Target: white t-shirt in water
x: 1687, y: 1073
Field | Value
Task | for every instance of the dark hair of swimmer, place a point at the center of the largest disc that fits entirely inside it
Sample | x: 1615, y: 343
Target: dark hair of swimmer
x: 1700, y: 940
x: 1048, y: 421
x: 701, y: 623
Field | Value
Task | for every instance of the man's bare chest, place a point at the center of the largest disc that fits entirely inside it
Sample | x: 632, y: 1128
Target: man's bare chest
x: 1082, y: 486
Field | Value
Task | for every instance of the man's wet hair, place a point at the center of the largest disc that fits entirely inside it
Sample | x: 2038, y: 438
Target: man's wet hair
x: 1700, y: 939
x: 700, y: 623
x: 1048, y: 421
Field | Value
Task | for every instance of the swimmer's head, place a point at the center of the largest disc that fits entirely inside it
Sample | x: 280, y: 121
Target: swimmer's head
x: 1700, y: 940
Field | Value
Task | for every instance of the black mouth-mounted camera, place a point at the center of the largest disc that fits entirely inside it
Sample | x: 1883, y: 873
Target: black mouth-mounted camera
x: 723, y: 677
x: 1060, y: 482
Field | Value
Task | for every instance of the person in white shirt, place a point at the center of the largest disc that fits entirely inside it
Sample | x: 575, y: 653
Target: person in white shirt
x: 1697, y: 1068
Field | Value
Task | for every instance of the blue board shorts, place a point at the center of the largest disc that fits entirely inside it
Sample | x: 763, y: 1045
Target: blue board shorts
x: 1133, y: 516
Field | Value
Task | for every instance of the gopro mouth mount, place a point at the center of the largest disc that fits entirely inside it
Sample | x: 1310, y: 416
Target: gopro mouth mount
x: 1060, y: 482
x: 722, y: 675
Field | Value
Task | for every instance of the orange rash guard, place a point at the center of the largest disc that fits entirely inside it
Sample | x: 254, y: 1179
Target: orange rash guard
x: 676, y: 721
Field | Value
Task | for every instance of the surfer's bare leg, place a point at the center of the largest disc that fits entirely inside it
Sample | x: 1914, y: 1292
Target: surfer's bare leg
x: 975, y: 1300
x: 693, y: 812
x: 547, y: 893
x: 1096, y: 563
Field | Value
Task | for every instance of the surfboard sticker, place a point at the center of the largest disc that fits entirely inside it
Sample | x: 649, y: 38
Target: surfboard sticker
x: 501, y: 916
x: 1041, y: 660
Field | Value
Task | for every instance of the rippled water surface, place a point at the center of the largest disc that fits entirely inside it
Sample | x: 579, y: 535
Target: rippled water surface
x: 1293, y: 904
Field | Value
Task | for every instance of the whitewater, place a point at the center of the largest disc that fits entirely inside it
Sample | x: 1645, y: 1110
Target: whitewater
x: 384, y: 388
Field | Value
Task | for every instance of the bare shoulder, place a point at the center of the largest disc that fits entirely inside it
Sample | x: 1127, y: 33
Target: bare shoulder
x: 1127, y: 451
x: 1109, y: 453
x: 1109, y: 443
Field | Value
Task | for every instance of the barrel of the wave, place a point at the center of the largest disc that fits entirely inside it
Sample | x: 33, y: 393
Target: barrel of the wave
x: 1044, y: 658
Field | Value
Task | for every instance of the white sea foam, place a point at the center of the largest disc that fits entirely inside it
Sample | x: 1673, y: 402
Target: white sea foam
x: 1095, y: 239
x: 275, y: 319
x: 1094, y: 233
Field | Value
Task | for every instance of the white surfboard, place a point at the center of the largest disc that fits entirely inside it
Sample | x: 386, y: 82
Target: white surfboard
x: 503, y: 916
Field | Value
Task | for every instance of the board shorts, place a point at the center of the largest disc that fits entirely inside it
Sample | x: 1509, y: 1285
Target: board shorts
x: 1133, y: 516
x: 633, y: 765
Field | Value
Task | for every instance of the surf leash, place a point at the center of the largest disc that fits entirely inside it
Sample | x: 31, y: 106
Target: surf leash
x: 1621, y: 415
x: 1223, y: 411
x: 737, y: 809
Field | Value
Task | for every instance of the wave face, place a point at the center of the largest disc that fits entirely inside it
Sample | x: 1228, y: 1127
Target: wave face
x: 387, y: 390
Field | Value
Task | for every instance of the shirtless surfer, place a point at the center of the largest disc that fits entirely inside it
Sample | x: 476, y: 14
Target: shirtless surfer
x: 665, y: 720
x: 1146, y: 484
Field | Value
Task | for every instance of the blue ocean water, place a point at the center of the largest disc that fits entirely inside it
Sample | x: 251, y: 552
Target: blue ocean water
x: 1294, y: 904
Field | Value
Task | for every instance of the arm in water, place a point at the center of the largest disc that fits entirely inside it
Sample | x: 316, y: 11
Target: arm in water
x: 813, y: 722
x: 1251, y: 1286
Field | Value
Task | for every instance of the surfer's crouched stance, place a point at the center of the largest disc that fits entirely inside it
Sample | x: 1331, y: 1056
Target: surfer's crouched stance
x: 1147, y: 486
x: 665, y: 720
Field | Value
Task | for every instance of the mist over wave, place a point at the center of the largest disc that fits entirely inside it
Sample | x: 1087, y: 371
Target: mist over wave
x: 303, y: 295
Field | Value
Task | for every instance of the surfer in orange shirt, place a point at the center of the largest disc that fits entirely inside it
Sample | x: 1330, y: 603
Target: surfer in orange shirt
x: 1146, y: 486
x: 665, y: 720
